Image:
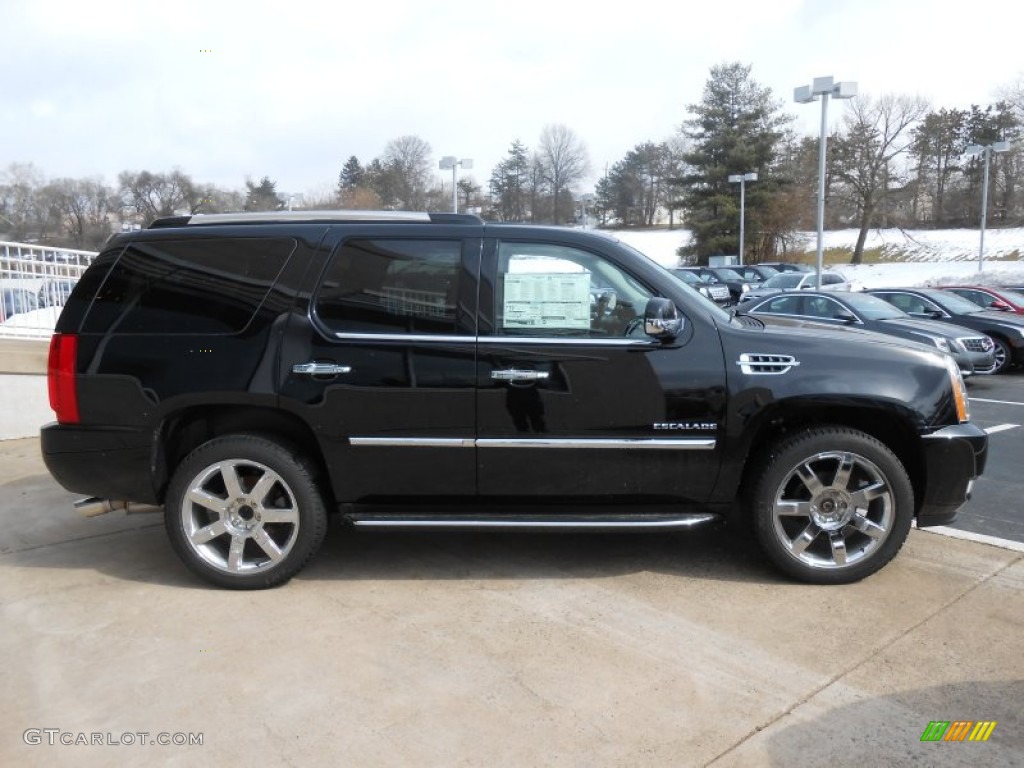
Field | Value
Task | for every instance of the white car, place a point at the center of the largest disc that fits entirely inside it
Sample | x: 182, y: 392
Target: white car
x: 795, y: 281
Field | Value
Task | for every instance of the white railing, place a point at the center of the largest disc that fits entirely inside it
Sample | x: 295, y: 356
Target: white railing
x: 35, y: 281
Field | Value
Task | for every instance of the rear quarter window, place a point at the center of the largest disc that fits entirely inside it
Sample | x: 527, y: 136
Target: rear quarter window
x: 187, y: 286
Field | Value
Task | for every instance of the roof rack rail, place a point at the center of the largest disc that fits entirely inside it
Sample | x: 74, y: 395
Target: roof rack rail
x: 295, y: 217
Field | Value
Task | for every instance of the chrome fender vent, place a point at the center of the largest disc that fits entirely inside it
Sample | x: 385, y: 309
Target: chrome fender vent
x: 766, y: 365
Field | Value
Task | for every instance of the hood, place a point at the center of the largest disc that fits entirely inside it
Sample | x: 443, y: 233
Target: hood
x: 931, y: 327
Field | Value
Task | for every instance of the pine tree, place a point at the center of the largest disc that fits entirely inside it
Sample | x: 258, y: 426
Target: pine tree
x: 737, y: 128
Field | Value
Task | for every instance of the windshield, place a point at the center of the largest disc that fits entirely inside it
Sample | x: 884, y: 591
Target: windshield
x: 727, y: 274
x: 872, y: 307
x: 1015, y: 296
x: 784, y: 280
x: 687, y: 277
x: 956, y: 305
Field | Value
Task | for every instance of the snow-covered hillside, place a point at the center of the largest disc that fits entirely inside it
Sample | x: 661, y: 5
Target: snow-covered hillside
x: 932, y: 257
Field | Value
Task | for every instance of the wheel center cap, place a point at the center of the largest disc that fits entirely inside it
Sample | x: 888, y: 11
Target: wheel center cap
x: 831, y: 510
x: 243, y: 516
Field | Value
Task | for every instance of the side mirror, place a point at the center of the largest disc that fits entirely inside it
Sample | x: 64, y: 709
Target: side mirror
x: 1000, y: 305
x: 846, y: 317
x: 661, y: 319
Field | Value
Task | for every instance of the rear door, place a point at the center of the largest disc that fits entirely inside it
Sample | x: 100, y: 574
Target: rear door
x: 383, y: 365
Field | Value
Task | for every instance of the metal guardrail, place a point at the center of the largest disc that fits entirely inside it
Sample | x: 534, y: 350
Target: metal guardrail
x: 35, y: 281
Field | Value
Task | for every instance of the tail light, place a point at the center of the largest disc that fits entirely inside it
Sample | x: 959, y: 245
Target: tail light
x: 60, y: 375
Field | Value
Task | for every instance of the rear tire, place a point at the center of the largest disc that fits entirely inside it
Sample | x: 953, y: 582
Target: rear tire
x: 832, y: 505
x: 244, y: 512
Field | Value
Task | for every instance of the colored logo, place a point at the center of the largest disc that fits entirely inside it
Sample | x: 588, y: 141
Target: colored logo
x: 958, y: 730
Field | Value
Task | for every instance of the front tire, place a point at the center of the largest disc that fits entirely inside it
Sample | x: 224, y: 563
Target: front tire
x: 832, y: 505
x: 1003, y: 354
x: 244, y: 512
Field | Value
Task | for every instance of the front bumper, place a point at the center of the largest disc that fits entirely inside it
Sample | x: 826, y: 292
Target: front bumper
x: 953, y: 457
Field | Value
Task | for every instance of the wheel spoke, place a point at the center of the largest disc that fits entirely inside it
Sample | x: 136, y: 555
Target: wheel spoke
x: 838, y: 547
x: 275, y: 515
x: 863, y: 497
x: 267, y: 545
x: 235, y: 555
x: 809, y: 479
x: 801, y: 542
x: 207, y: 500
x: 209, y: 533
x: 262, y: 488
x: 788, y: 508
x: 229, y: 471
x: 842, y: 478
x: 867, y: 527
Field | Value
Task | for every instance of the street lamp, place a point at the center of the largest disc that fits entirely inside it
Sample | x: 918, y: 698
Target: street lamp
x: 986, y: 150
x: 805, y: 94
x: 742, y: 179
x: 450, y: 161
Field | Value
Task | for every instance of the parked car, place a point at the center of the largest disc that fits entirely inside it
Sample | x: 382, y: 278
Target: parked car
x: 725, y: 276
x: 1003, y: 299
x: 788, y: 266
x: 251, y: 373
x: 1004, y: 328
x: 798, y: 281
x: 717, y: 292
x: 755, y: 274
x: 974, y: 352
x: 55, y: 293
x: 16, y: 301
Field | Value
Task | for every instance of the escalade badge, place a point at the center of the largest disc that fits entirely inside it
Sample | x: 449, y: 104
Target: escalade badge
x: 691, y: 425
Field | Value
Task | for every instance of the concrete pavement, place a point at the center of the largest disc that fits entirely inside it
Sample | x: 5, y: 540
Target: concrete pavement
x: 493, y: 649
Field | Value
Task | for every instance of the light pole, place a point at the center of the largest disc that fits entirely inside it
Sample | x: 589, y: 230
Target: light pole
x: 585, y: 198
x: 986, y: 150
x: 742, y: 179
x: 805, y: 94
x: 450, y: 161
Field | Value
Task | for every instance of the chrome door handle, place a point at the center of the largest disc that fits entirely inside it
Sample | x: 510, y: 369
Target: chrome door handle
x: 320, y: 369
x: 516, y: 374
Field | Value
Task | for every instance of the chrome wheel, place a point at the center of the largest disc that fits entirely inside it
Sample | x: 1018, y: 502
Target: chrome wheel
x: 1002, y: 355
x: 831, y: 504
x: 245, y: 511
x: 833, y: 510
x: 240, y: 516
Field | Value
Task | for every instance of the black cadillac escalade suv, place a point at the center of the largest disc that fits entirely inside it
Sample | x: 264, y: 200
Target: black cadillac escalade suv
x: 253, y: 372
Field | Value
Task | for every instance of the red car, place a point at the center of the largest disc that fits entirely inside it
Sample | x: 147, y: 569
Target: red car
x: 1005, y: 299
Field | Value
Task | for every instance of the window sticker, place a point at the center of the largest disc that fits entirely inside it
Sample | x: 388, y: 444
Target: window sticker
x: 558, y: 300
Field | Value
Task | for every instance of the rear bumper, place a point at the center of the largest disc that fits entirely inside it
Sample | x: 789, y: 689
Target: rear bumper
x: 953, y: 457
x: 111, y: 463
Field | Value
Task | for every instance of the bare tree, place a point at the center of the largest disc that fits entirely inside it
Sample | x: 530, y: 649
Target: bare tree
x: 877, y: 131
x: 563, y: 162
x: 153, y: 195
x: 85, y: 207
x: 407, y: 158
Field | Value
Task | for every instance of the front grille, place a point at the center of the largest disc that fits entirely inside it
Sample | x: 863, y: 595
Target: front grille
x: 761, y: 364
x: 977, y: 344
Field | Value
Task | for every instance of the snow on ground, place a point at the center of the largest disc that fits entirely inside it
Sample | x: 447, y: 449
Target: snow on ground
x: 934, y: 257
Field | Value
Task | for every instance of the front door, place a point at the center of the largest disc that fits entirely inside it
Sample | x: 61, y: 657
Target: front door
x: 575, y: 400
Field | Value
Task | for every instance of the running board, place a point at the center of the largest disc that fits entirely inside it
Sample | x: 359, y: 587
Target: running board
x: 567, y: 521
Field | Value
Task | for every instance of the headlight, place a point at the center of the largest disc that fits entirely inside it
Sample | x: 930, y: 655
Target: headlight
x: 941, y: 344
x: 956, y: 380
x: 957, y: 346
x: 745, y: 287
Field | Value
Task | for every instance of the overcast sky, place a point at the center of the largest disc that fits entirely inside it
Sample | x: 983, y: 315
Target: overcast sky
x: 290, y: 89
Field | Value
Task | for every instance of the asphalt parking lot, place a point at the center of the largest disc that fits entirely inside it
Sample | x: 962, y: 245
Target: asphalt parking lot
x: 490, y: 649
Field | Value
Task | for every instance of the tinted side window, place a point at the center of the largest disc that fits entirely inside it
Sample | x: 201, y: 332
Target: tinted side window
x: 908, y: 302
x: 392, y: 286
x: 782, y: 305
x: 194, y: 286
